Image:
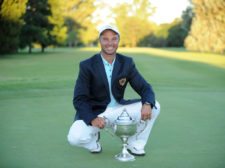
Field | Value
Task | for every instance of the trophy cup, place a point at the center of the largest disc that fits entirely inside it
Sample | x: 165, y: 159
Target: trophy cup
x: 124, y: 127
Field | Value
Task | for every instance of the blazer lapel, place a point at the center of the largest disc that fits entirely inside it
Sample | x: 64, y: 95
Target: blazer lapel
x: 101, y: 70
x: 116, y: 69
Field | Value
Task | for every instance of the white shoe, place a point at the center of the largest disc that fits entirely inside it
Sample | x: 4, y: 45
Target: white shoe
x: 134, y: 151
x: 98, y: 149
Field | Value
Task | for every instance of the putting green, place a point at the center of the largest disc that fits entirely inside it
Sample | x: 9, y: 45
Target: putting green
x: 36, y: 110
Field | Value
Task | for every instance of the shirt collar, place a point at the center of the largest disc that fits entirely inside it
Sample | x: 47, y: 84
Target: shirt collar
x: 105, y: 62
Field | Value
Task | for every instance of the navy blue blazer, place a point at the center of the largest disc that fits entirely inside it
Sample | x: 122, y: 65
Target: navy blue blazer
x: 91, y: 93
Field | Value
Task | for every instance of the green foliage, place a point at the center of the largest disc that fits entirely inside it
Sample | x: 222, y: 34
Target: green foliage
x: 142, y: 9
x: 88, y: 34
x: 80, y: 29
x: 10, y: 24
x: 37, y: 27
x: 207, y: 30
x: 59, y: 31
x: 187, y: 16
x: 159, y: 36
x: 132, y: 21
x: 72, y: 34
x: 9, y: 40
x: 152, y: 40
x: 169, y: 34
x: 163, y: 30
x: 176, y: 36
x: 12, y: 9
x: 133, y: 29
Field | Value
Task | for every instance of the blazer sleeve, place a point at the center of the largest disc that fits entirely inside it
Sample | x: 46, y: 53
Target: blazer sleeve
x: 81, y: 99
x: 143, y: 88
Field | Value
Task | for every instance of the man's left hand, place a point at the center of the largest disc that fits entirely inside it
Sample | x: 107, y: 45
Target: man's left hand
x: 146, y: 112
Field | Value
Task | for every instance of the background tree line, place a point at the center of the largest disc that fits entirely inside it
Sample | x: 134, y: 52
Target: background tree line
x: 27, y: 23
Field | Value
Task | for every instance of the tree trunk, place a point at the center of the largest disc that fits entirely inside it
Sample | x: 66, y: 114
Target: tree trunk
x: 42, y: 49
x: 30, y: 49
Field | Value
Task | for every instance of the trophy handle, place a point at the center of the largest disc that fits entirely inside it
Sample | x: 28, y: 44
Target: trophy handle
x: 108, y: 126
x: 145, y: 125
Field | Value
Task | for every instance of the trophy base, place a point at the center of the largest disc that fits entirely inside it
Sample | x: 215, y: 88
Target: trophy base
x: 125, y: 157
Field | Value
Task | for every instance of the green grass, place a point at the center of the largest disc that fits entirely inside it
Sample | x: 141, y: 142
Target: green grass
x: 36, y: 110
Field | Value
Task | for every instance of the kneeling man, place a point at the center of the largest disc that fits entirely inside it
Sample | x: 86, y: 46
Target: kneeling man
x: 99, y: 94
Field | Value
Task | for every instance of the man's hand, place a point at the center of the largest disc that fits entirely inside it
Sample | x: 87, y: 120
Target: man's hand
x: 146, y: 112
x: 98, y: 122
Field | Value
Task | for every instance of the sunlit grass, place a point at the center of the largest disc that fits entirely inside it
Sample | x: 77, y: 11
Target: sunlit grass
x: 177, y: 53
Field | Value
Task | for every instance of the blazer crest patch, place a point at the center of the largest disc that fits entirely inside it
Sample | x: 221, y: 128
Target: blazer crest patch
x: 122, y: 81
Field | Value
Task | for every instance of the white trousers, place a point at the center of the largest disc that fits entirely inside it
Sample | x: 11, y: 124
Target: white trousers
x: 83, y: 135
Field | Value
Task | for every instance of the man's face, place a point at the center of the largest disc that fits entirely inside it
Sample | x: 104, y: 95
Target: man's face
x: 109, y: 41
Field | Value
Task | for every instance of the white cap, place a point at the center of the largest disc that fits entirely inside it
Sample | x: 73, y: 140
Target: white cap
x: 108, y: 27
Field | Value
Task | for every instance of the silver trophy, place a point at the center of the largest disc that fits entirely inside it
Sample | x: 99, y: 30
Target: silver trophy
x: 124, y: 127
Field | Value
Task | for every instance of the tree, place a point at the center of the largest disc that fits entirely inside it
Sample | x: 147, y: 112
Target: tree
x: 59, y: 31
x: 207, y: 32
x: 187, y: 16
x: 88, y: 34
x: 77, y: 15
x: 152, y: 40
x: 166, y: 35
x: 37, y: 28
x: 180, y: 28
x: 133, y: 21
x: 72, y: 33
x: 176, y: 35
x: 158, y: 37
x: 10, y: 24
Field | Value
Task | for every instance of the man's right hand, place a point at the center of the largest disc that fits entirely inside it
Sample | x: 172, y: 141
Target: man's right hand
x: 98, y: 122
